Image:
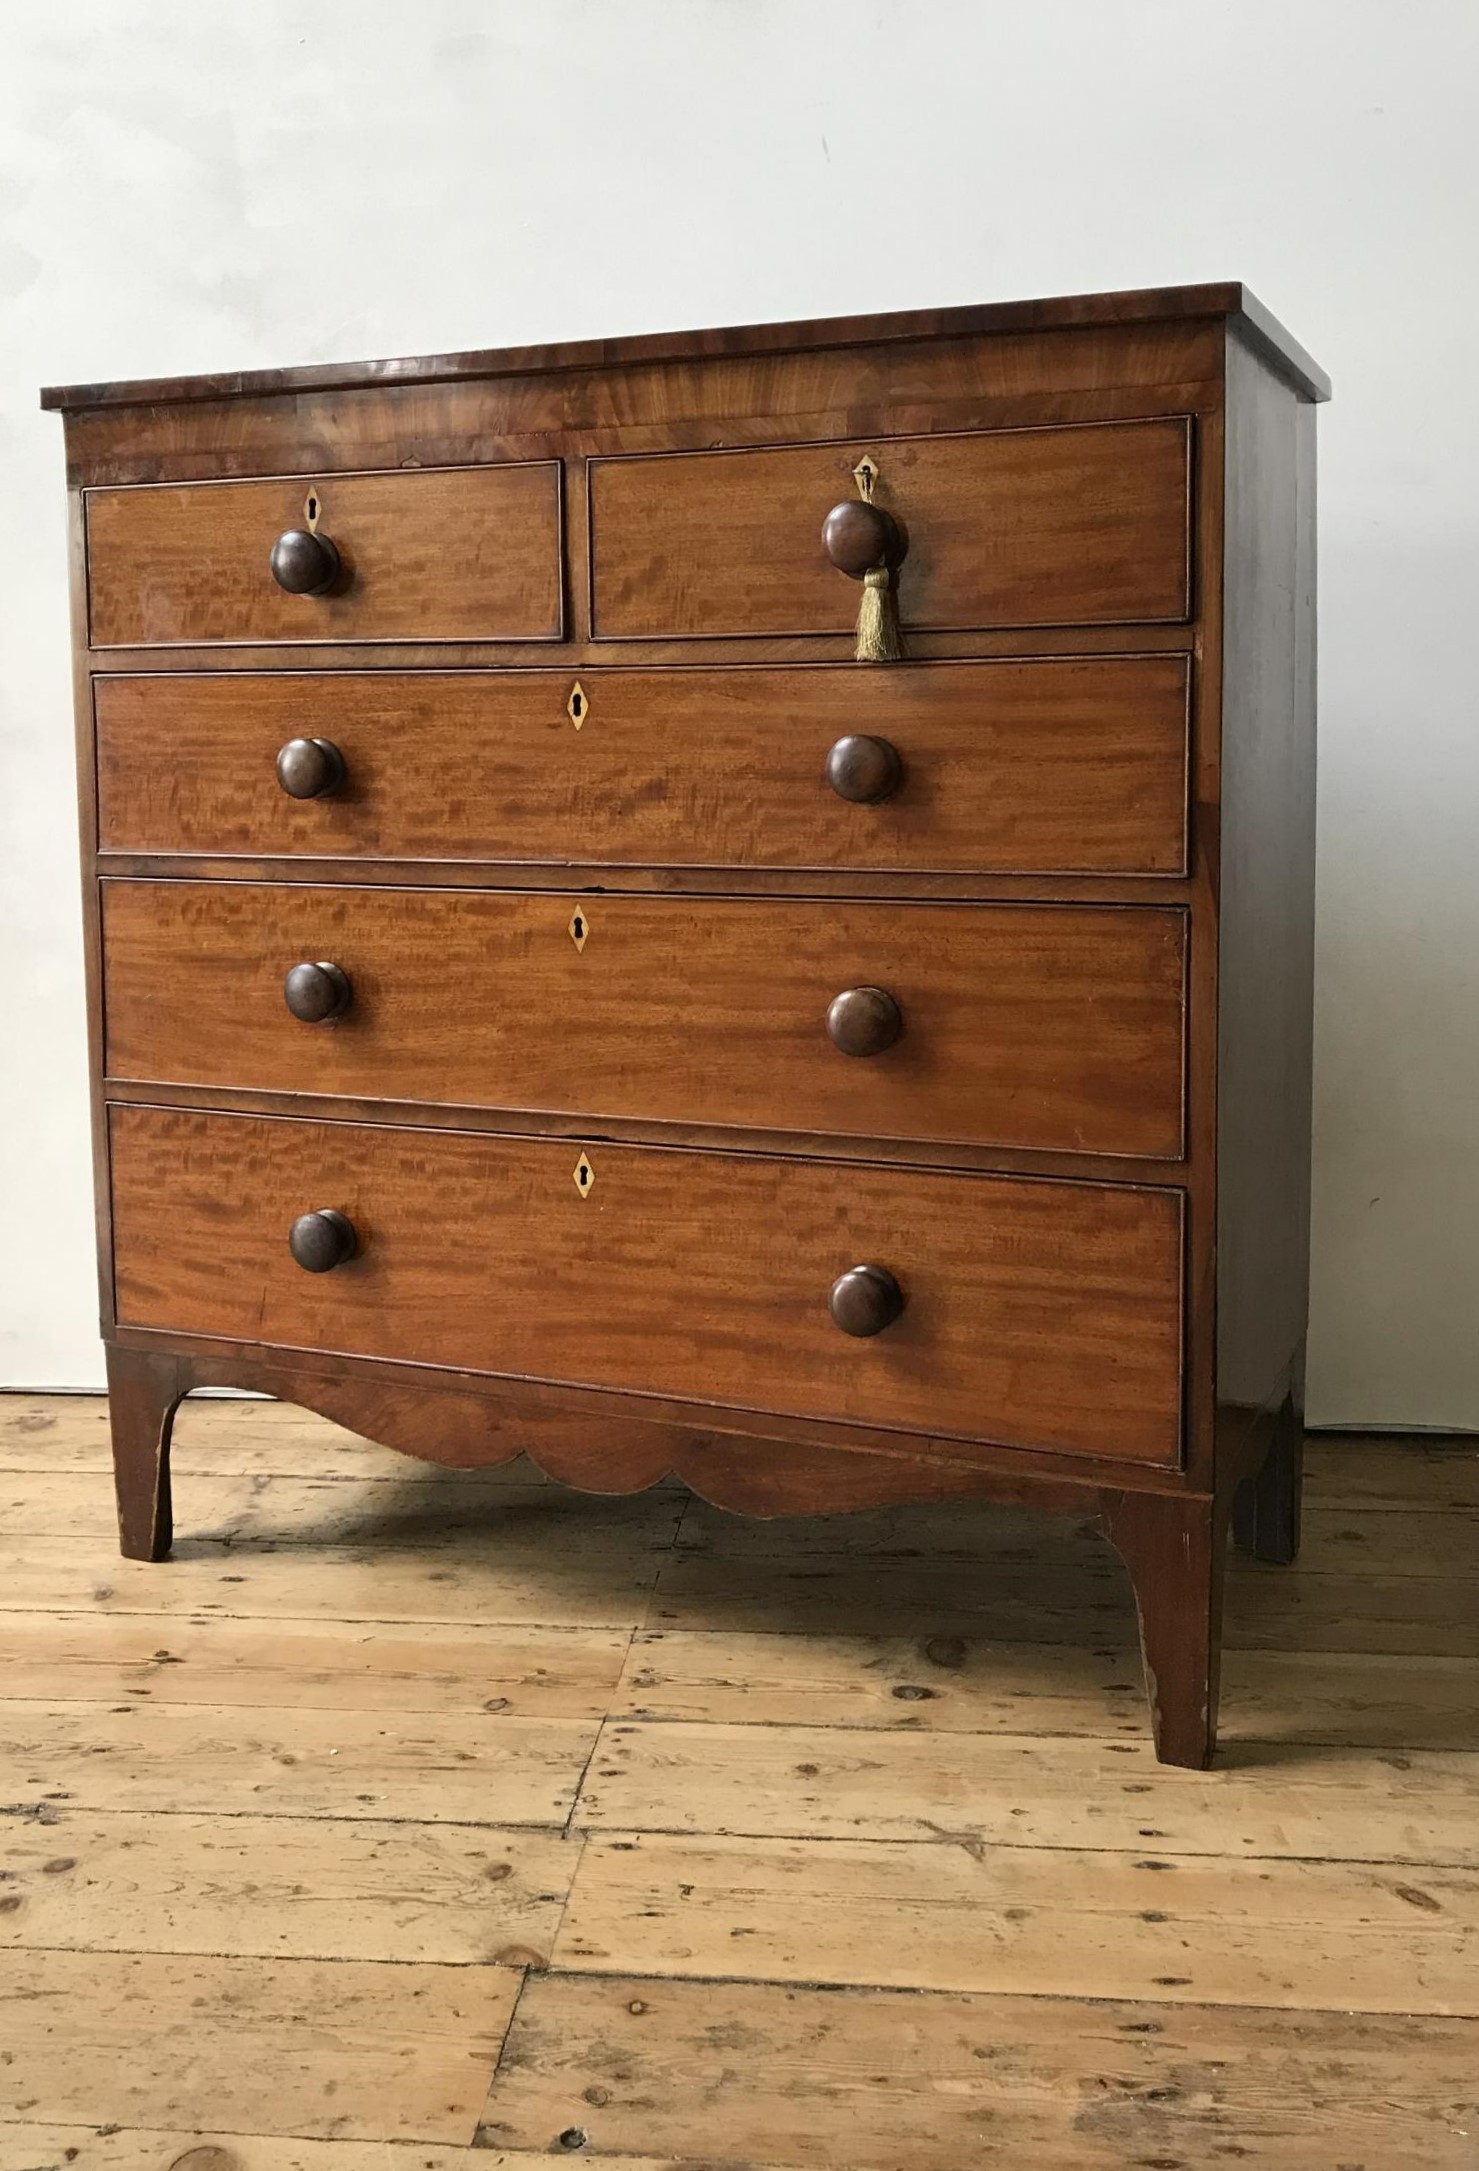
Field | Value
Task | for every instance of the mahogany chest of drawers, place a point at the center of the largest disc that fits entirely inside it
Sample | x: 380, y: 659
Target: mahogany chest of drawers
x: 736, y: 903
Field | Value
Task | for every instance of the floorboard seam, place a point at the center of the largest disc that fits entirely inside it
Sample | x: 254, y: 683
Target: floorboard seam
x: 972, y: 1842
x: 930, y: 1992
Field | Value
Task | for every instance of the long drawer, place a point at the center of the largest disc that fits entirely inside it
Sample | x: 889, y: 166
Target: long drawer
x: 1040, y: 1026
x: 435, y: 554
x: 1085, y: 525
x: 1038, y: 767
x: 1035, y: 1314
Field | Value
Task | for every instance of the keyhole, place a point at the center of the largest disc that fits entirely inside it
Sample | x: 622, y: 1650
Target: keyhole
x: 583, y: 1177
x: 577, y: 706
x: 578, y: 930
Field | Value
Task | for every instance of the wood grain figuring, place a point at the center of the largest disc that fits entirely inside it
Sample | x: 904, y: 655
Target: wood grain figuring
x: 1025, y: 1026
x: 1029, y: 528
x: 462, y: 554
x: 1037, y: 1314
x: 1077, y: 766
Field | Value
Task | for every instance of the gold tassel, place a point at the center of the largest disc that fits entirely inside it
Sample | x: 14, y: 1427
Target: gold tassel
x: 879, y: 639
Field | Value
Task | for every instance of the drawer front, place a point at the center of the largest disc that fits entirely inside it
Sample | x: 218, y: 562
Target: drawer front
x: 1041, y: 767
x: 452, y: 554
x: 1036, y: 1314
x: 1073, y: 526
x: 1053, y: 1026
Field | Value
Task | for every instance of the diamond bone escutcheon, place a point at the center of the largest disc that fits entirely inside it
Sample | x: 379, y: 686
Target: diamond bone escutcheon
x: 583, y: 1176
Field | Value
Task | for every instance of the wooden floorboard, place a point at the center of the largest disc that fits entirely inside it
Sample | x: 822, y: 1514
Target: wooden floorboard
x: 85, y: 2148
x: 1056, y: 1601
x: 1370, y: 1937
x: 1016, y: 1790
x: 297, y: 1887
x: 348, y: 2049
x: 534, y: 1671
x: 452, y: 1767
x: 415, y: 1818
x: 829, y: 2080
x: 540, y: 1580
x: 948, y: 1684
x: 451, y: 1509
x: 1335, y: 1540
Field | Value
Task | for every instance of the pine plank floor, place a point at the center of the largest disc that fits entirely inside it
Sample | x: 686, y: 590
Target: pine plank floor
x: 412, y: 1819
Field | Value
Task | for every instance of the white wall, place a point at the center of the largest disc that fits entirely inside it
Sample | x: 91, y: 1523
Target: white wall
x: 189, y: 187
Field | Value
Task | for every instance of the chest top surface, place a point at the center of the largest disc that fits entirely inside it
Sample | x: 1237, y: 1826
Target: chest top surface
x: 1228, y: 299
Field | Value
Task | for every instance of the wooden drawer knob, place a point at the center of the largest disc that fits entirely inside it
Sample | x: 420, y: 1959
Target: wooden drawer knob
x: 315, y: 993
x: 305, y: 564
x: 322, y: 1240
x: 857, y: 536
x: 864, y: 1021
x: 310, y: 768
x: 860, y: 769
x: 865, y: 1300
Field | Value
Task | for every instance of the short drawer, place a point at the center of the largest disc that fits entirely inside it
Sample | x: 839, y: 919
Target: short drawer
x: 1088, y: 525
x: 1038, y: 1026
x: 1036, y: 1314
x: 437, y: 554
x: 1018, y: 767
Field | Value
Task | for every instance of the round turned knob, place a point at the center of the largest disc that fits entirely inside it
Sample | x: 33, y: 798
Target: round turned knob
x: 310, y: 768
x: 865, y: 1300
x: 317, y: 992
x: 322, y: 1240
x: 860, y: 768
x: 856, y: 535
x: 305, y: 564
x: 864, y: 1021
